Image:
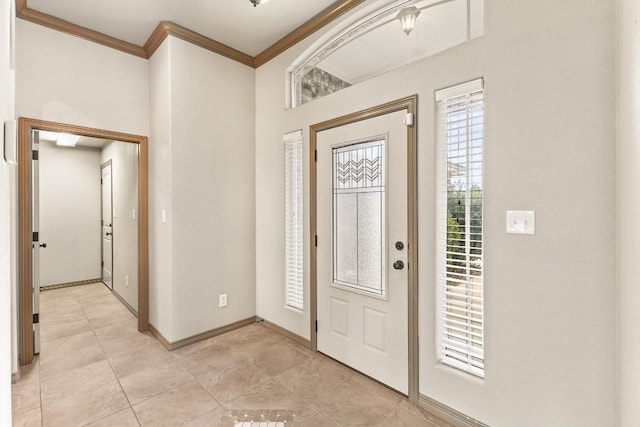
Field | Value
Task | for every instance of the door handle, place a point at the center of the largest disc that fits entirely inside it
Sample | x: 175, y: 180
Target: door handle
x: 109, y: 233
x: 398, y: 265
x: 43, y: 245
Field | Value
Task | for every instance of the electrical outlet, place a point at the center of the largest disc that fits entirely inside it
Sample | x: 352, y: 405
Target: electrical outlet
x: 223, y: 300
x: 126, y: 281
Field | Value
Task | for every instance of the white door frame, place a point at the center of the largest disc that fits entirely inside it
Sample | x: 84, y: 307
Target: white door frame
x: 409, y: 104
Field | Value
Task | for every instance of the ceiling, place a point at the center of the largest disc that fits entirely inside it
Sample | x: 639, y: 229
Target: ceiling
x: 235, y: 23
x: 254, y: 35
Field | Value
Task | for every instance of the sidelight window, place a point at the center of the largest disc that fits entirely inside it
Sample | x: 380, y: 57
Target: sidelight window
x: 460, y: 278
x: 294, y: 217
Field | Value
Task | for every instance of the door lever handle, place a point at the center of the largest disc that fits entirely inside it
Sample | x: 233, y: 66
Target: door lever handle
x: 43, y: 245
x: 109, y: 234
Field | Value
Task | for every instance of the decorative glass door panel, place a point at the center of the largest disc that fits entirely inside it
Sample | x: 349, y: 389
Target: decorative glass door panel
x: 359, y: 228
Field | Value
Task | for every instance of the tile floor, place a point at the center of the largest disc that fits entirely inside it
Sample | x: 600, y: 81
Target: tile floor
x: 96, y: 369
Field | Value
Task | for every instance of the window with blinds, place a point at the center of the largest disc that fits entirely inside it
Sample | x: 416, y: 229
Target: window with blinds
x: 294, y: 219
x: 459, y: 269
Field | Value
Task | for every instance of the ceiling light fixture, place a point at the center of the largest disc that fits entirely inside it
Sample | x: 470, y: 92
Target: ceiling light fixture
x: 407, y: 18
x: 257, y: 2
x: 67, y: 140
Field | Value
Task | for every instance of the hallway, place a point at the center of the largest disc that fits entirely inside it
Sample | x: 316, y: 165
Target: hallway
x: 96, y: 369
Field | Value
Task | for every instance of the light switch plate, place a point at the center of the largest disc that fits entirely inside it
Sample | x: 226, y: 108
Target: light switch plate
x: 521, y: 222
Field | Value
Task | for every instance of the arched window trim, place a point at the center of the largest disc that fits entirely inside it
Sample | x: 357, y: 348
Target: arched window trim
x: 368, y: 19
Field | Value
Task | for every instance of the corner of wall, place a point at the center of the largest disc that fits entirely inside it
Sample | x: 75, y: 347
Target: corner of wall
x: 627, y: 211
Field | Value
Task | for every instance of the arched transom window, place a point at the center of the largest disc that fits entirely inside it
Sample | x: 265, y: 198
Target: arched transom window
x: 374, y: 41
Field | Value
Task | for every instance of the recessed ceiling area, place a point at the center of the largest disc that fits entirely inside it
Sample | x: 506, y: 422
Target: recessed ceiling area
x: 83, y: 141
x: 235, y: 23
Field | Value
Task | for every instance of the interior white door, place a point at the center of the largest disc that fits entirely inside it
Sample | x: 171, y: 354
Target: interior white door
x: 107, y: 225
x: 362, y: 278
x: 35, y: 244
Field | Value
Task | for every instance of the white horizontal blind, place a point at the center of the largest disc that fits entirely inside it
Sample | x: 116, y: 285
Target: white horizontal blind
x: 460, y: 280
x: 294, y: 219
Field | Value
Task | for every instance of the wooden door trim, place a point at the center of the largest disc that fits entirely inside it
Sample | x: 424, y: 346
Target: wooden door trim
x: 410, y: 105
x: 25, y: 277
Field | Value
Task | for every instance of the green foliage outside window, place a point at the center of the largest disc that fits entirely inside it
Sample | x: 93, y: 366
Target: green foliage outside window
x: 463, y: 255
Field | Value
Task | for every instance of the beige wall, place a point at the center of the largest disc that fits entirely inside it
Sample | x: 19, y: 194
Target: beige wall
x: 550, y: 133
x: 69, y: 214
x: 8, y: 357
x: 124, y: 170
x: 160, y: 190
x: 206, y: 126
x: 628, y: 211
x: 66, y: 79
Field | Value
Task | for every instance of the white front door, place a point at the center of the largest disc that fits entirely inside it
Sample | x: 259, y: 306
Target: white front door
x: 107, y: 226
x: 362, y: 229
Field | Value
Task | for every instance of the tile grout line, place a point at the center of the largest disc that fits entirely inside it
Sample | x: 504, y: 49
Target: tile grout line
x: 206, y: 389
x: 114, y: 374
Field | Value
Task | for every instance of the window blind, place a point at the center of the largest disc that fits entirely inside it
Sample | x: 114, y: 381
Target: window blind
x: 294, y: 228
x: 460, y: 280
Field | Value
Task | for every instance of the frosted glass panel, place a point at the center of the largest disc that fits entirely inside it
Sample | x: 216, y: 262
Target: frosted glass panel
x: 370, y: 223
x: 346, y: 235
x: 359, y: 216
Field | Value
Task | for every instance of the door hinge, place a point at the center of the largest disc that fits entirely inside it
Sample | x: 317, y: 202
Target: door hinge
x: 316, y: 240
x: 34, y: 155
x: 101, y: 263
x: 315, y: 155
x: 36, y: 318
x: 35, y: 237
x: 316, y: 326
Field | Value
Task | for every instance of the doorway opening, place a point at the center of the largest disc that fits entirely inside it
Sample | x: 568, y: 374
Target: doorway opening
x: 363, y: 180
x: 28, y: 238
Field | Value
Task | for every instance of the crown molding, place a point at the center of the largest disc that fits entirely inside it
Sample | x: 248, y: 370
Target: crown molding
x: 167, y: 28
x: 323, y: 18
x: 55, y: 23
